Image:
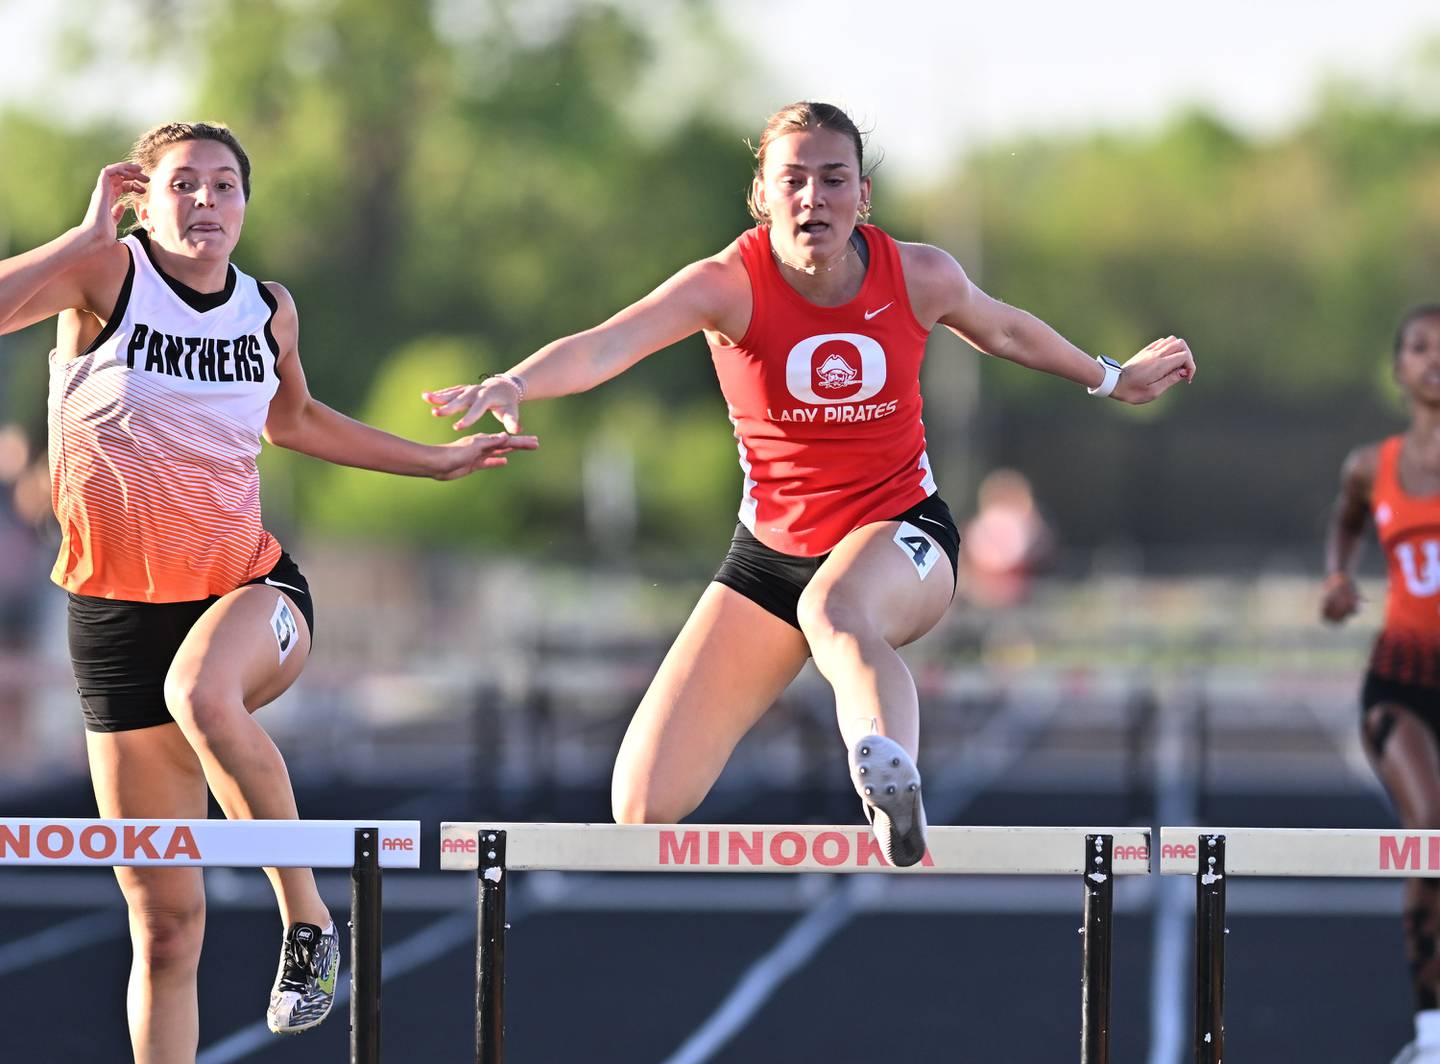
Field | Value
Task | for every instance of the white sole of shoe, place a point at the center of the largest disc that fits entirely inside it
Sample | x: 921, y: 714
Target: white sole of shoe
x: 302, y: 1028
x: 889, y: 786
x: 318, y: 1020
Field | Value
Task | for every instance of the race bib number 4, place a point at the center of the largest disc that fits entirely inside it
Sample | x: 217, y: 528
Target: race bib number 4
x: 918, y: 547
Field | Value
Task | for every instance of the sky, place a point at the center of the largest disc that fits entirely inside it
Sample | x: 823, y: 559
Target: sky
x: 934, y: 77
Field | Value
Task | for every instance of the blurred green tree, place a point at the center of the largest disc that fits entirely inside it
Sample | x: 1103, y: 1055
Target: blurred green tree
x: 445, y: 186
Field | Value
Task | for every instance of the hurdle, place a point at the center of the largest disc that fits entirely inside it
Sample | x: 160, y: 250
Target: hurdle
x: 1094, y: 854
x: 1213, y: 854
x: 363, y: 846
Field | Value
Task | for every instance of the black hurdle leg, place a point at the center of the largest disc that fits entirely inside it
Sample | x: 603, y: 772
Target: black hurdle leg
x: 365, y: 948
x: 1099, y: 880
x: 1210, y: 951
x: 490, y: 952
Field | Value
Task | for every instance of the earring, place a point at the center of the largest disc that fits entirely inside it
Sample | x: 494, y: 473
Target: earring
x: 863, y: 214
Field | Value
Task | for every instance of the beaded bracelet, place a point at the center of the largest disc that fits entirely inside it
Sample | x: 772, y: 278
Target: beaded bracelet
x: 510, y: 378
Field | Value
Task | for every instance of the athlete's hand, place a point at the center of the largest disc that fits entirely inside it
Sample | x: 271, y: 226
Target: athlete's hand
x: 1340, y: 599
x: 481, y: 451
x: 107, y: 203
x: 1154, y: 370
x: 496, y: 395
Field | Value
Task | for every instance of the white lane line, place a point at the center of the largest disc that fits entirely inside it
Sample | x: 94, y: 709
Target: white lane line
x: 1175, y: 796
x: 788, y: 956
x: 80, y: 933
x: 430, y: 942
x: 998, y: 749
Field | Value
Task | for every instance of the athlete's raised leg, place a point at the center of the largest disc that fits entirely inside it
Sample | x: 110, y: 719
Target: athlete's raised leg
x: 244, y: 652
x: 867, y: 599
x: 878, y: 590
x: 230, y: 665
x: 153, y: 773
x: 727, y: 666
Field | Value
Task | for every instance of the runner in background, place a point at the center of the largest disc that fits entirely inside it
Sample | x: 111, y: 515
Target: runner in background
x: 1396, y: 483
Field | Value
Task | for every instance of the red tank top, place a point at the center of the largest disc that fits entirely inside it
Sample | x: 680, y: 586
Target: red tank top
x: 1408, y: 647
x: 826, y: 403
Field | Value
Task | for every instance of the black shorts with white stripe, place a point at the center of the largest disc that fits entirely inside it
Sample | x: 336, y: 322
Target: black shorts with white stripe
x: 122, y: 651
x: 774, y: 581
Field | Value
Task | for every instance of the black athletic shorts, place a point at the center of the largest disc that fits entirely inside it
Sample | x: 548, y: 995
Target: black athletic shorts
x: 1424, y: 702
x: 121, y: 651
x: 773, y: 580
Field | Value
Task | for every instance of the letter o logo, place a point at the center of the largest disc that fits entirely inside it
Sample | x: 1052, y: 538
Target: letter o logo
x: 838, y: 370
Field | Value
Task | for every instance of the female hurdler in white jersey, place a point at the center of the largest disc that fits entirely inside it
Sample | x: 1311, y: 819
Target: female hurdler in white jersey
x: 844, y: 552
x: 185, y: 615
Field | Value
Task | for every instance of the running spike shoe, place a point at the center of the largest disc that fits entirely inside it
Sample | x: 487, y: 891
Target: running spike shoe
x: 305, y: 984
x: 889, y: 787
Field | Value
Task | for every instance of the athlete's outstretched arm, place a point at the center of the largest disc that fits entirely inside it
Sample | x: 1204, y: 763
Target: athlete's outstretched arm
x: 939, y: 284
x: 299, y: 422
x: 1343, y: 533
x: 696, y: 298
x: 80, y: 269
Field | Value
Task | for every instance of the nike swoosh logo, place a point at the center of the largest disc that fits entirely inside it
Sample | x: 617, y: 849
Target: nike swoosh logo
x: 871, y: 313
x: 287, y: 587
x: 932, y: 520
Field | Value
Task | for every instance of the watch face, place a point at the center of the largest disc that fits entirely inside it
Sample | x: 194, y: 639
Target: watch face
x: 1110, y: 362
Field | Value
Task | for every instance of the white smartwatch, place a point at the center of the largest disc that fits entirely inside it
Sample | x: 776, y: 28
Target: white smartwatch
x: 1112, y: 377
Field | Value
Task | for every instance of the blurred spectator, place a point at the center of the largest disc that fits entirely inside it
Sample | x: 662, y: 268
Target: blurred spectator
x: 21, y: 516
x: 24, y: 514
x: 1006, y: 542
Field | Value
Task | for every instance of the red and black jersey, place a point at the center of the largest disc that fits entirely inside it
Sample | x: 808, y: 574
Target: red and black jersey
x: 1408, y: 647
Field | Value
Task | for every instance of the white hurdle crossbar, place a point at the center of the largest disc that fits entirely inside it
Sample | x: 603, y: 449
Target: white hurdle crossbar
x: 493, y: 849
x: 363, y: 846
x: 1212, y: 854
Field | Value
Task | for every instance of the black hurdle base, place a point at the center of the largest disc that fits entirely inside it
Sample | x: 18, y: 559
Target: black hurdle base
x: 1210, y: 951
x: 365, y: 948
x: 1098, y: 876
x: 490, y: 951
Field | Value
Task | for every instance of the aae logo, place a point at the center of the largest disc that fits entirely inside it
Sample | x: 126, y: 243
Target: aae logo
x: 1421, y: 584
x: 849, y: 360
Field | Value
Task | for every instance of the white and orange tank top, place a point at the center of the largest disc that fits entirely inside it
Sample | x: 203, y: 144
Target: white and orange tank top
x: 826, y: 403
x: 154, y: 432
x: 1408, y: 647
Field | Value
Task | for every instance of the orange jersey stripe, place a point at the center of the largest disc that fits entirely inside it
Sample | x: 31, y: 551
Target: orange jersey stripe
x: 153, y: 474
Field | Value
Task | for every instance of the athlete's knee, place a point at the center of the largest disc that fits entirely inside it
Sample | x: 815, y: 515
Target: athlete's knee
x: 629, y: 811
x: 168, y: 938
x: 200, y: 708
x: 1425, y: 814
x: 831, y: 617
x: 638, y: 802
x: 1379, y: 721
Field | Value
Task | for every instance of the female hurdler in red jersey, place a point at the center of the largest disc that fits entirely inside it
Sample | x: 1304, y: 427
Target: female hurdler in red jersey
x: 817, y: 326
x: 1397, y: 484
